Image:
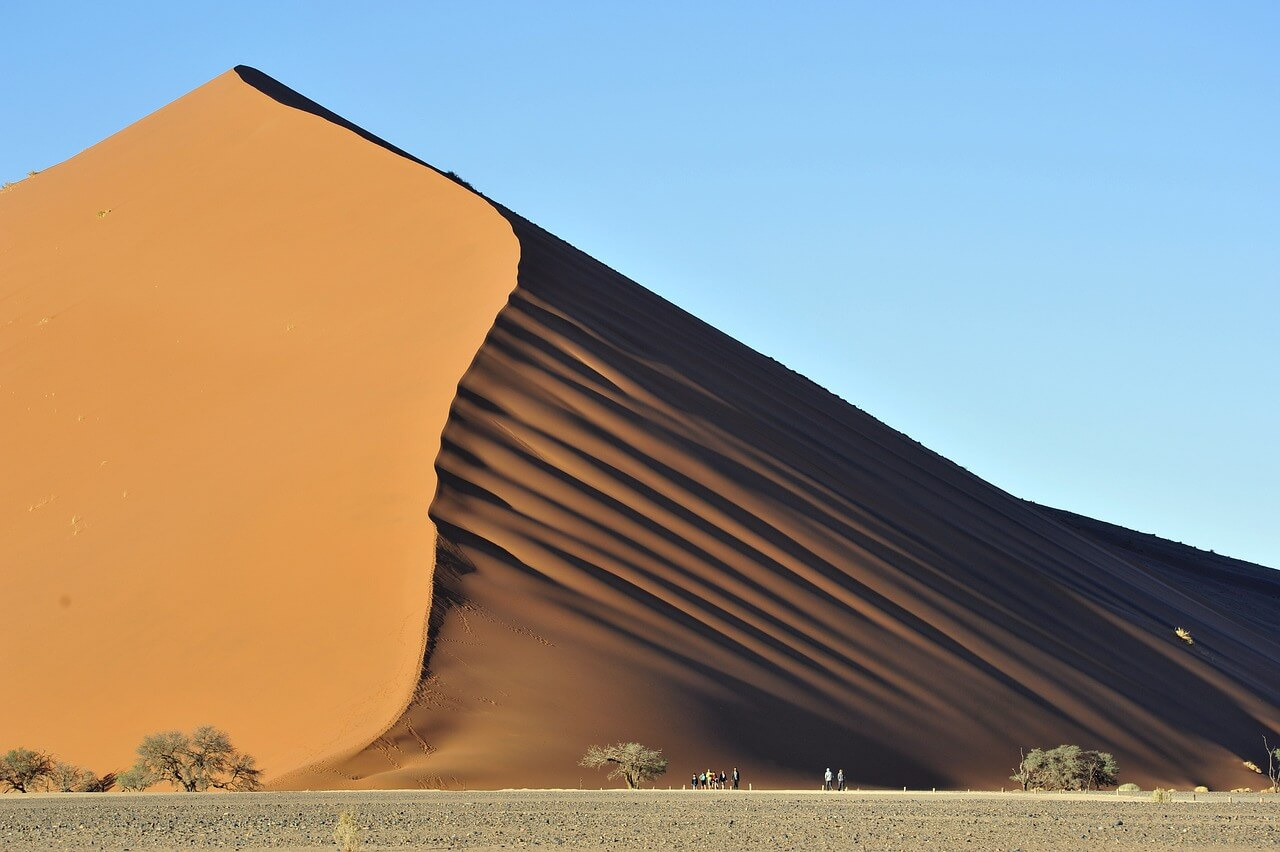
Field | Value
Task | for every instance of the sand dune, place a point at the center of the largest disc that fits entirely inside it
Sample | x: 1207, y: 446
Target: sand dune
x: 658, y: 533
x: 646, y: 530
x: 229, y: 338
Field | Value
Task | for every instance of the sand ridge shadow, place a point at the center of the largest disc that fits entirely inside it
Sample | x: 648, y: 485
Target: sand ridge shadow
x: 282, y: 94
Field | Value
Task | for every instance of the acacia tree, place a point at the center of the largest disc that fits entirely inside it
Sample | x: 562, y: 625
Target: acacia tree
x: 68, y: 778
x: 202, y: 761
x: 1098, y: 769
x: 633, y: 762
x: 1063, y: 768
x: 1029, y: 768
x: 25, y: 770
x: 1067, y: 767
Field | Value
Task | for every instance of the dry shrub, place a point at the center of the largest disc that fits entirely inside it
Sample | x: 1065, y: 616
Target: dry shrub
x: 345, y: 834
x: 67, y: 778
x: 633, y: 762
x: 203, y: 760
x: 25, y: 770
x: 1160, y: 794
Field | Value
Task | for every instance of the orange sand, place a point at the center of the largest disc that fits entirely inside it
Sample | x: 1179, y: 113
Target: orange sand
x: 222, y: 397
x: 647, y: 530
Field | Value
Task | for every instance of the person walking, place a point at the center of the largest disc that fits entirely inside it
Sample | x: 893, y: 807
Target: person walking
x: 826, y: 780
x: 693, y: 784
x: 840, y: 780
x: 735, y: 778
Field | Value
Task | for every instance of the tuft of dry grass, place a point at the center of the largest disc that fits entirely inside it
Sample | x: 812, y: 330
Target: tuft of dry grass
x: 1160, y: 794
x: 345, y: 834
x: 1184, y: 634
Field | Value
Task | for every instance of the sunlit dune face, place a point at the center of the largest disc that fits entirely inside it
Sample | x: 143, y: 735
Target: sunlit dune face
x: 229, y: 337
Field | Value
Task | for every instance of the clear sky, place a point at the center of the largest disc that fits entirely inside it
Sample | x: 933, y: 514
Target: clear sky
x: 1041, y: 238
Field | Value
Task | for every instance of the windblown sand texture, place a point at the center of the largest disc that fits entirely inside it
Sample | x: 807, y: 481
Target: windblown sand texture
x: 286, y: 336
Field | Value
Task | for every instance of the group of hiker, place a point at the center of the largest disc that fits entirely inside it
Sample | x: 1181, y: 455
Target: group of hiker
x: 729, y: 781
x: 716, y: 781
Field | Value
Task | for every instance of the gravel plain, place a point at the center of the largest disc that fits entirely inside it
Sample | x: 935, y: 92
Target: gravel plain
x: 678, y: 819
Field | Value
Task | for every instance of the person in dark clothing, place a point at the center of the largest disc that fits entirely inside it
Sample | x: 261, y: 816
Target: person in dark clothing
x: 736, y: 778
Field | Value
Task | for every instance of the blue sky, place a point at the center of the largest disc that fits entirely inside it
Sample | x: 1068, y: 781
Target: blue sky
x: 1041, y: 238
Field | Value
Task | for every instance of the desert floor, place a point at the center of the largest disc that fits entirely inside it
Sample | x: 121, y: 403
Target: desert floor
x: 675, y: 819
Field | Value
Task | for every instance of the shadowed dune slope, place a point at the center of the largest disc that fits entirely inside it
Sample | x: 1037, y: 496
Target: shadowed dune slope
x: 229, y: 339
x: 651, y: 532
x: 1247, y: 592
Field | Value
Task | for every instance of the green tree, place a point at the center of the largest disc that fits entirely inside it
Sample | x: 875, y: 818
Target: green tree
x: 633, y: 762
x: 1067, y: 767
x: 1029, y: 770
x: 1099, y: 769
x: 1064, y: 768
x: 134, y: 780
x: 201, y: 761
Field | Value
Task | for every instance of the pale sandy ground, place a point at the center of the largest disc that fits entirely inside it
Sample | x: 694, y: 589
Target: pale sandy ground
x: 642, y: 820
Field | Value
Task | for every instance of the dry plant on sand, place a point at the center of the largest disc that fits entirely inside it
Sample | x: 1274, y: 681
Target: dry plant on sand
x: 345, y: 834
x: 1273, y: 765
x: 1184, y: 634
x: 203, y: 760
x: 69, y: 778
x: 25, y: 770
x: 633, y: 762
